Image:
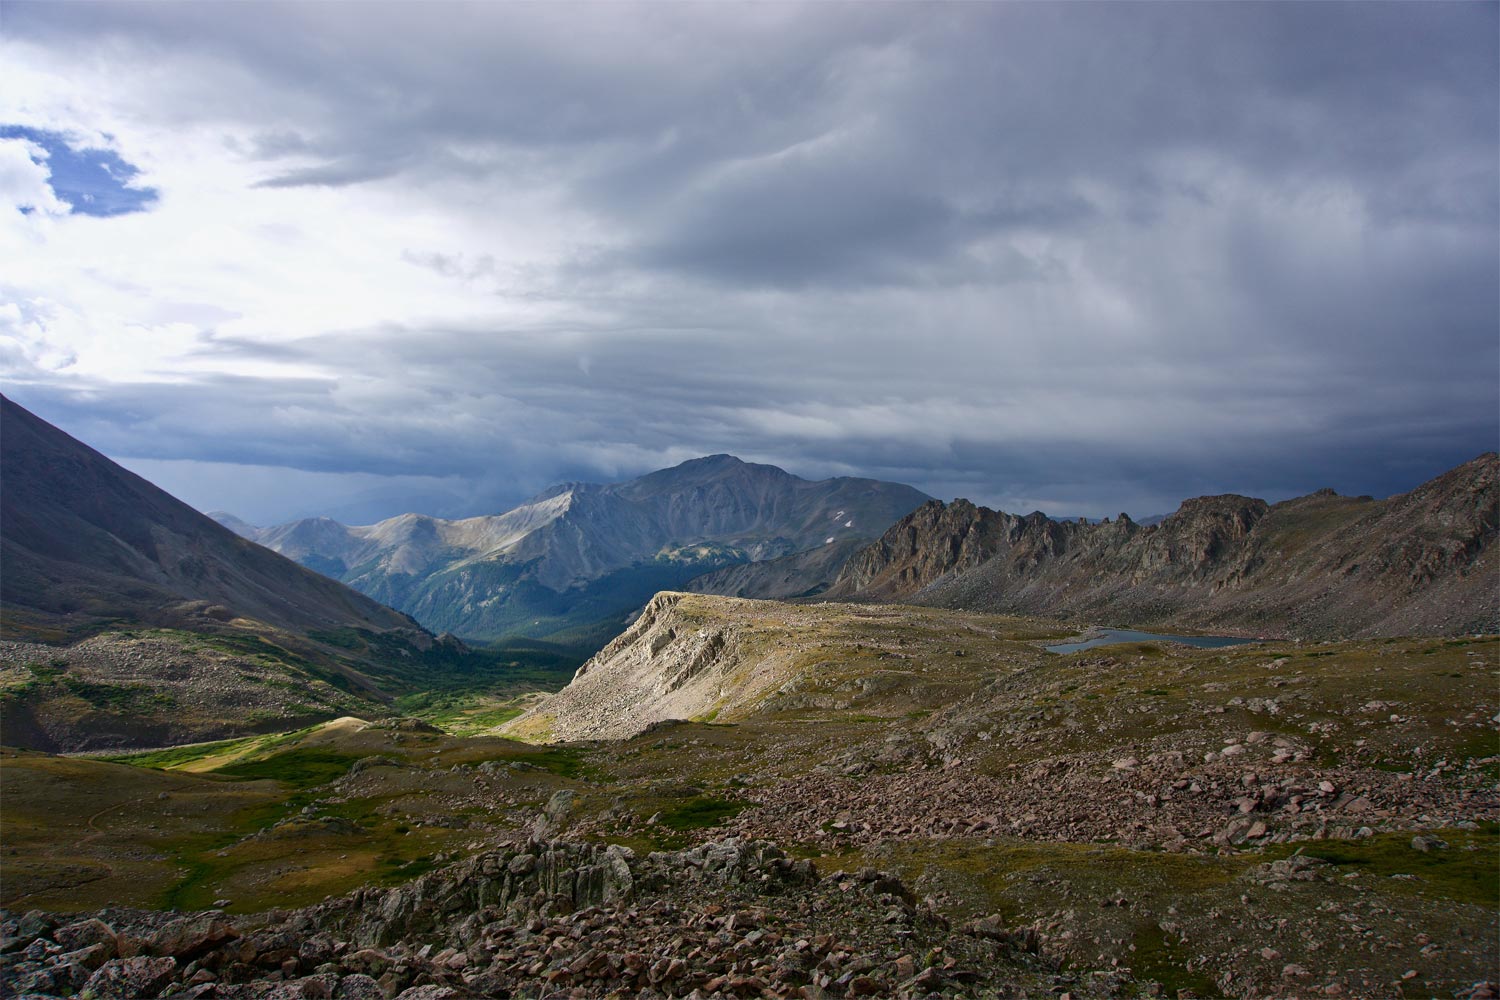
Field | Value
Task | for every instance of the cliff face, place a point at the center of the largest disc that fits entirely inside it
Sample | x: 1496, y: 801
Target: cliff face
x: 1317, y: 566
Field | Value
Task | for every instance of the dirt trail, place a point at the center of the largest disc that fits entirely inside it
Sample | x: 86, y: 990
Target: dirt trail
x: 91, y: 820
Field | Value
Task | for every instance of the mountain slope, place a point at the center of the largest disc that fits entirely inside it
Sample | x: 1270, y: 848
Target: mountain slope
x: 1316, y: 566
x: 574, y: 560
x: 801, y: 574
x: 128, y: 617
x: 87, y: 542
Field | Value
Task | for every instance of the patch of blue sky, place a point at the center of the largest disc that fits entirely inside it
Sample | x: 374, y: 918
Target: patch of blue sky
x: 92, y: 181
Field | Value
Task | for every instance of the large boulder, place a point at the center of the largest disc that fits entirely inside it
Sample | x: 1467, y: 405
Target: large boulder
x: 131, y: 978
x: 195, y: 934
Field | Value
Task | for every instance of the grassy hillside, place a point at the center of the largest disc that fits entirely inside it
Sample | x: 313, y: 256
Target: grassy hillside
x: 152, y: 687
x: 1184, y: 813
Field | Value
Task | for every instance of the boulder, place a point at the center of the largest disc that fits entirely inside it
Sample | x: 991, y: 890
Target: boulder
x: 131, y: 978
x: 82, y: 933
x: 358, y: 987
x: 187, y: 937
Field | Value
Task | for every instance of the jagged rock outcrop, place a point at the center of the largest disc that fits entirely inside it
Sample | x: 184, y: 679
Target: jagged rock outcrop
x: 545, y: 879
x: 1317, y: 566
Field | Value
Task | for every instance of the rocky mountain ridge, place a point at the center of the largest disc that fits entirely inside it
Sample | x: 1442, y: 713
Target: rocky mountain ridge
x: 664, y: 666
x: 1316, y: 566
x: 582, y: 553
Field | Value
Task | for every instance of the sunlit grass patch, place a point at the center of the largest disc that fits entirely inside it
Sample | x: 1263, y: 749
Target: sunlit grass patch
x: 173, y: 757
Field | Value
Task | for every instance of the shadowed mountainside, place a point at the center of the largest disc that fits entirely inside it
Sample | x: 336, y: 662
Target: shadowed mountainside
x: 87, y: 543
x: 127, y: 618
x: 801, y: 574
x: 1316, y: 566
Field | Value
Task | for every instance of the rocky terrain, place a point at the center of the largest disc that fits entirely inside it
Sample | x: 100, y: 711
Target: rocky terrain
x: 1421, y: 563
x: 1141, y: 759
x: 936, y: 805
x: 583, y: 555
x: 728, y: 918
x: 1185, y: 744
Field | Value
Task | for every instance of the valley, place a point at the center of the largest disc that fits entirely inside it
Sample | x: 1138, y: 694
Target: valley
x: 749, y: 501
x: 128, y: 619
x: 227, y: 776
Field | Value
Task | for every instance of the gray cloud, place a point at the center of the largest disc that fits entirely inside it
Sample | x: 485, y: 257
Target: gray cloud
x: 1086, y: 256
x: 332, y: 175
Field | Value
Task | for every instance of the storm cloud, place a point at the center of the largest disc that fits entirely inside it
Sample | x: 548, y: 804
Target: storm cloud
x: 1077, y: 257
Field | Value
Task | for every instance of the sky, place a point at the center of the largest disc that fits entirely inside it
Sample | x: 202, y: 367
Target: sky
x: 355, y: 259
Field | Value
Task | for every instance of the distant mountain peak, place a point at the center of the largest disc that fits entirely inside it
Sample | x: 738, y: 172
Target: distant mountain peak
x: 718, y: 459
x: 712, y: 465
x: 585, y: 549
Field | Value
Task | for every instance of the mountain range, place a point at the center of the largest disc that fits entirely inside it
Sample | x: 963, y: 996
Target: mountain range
x: 1168, y: 787
x: 1201, y: 790
x: 572, y: 563
x: 128, y: 618
x: 1322, y: 565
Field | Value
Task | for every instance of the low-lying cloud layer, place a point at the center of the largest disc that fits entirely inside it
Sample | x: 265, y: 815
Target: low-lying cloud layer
x: 1077, y: 257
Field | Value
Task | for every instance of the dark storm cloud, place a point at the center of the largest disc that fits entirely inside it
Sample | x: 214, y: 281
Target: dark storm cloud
x: 1087, y: 256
